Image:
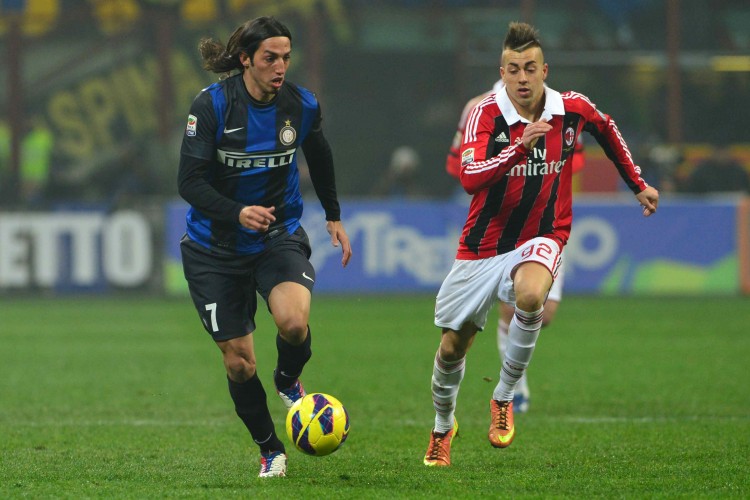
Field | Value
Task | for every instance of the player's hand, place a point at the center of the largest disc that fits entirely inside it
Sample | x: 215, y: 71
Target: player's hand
x: 649, y: 200
x: 533, y: 132
x: 338, y: 236
x: 257, y: 218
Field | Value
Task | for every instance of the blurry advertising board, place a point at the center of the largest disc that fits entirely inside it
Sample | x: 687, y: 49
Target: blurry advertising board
x: 688, y: 247
x: 81, y: 250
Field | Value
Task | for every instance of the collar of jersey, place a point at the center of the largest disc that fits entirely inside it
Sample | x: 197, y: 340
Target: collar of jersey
x: 553, y: 105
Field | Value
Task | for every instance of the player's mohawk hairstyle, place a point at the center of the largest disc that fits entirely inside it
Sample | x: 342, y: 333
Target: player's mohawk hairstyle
x: 520, y: 37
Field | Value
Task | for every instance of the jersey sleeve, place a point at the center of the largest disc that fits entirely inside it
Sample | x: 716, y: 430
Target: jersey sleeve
x: 197, y: 155
x: 320, y: 163
x: 200, y: 136
x: 452, y: 161
x: 603, y: 128
x: 477, y: 171
x: 194, y: 188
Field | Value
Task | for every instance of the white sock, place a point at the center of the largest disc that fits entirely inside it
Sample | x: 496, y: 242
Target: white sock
x: 446, y: 380
x: 502, y: 342
x: 522, y: 335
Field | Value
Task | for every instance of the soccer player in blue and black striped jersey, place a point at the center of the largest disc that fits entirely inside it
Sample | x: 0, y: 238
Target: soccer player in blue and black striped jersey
x: 238, y: 171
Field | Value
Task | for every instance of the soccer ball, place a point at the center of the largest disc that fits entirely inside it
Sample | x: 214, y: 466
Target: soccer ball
x: 317, y: 424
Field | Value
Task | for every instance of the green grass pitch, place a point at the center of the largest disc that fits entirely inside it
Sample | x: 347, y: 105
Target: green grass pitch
x: 127, y: 398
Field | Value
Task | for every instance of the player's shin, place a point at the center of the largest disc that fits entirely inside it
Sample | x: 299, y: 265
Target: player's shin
x: 250, y: 404
x: 291, y: 360
x: 522, y: 336
x: 446, y: 381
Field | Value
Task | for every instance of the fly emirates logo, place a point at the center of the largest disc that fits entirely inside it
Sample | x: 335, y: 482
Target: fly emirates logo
x: 536, y: 164
x: 256, y: 160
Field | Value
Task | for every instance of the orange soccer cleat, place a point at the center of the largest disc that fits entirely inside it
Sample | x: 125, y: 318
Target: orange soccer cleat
x: 502, y: 431
x: 439, y: 450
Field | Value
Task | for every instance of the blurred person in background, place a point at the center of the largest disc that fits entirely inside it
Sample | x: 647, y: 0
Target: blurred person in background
x: 516, y: 156
x: 238, y: 172
x: 5, y: 155
x: 401, y: 179
x: 621, y: 14
x: 522, y: 395
x: 37, y: 146
x: 661, y: 161
x: 36, y: 152
x: 719, y: 173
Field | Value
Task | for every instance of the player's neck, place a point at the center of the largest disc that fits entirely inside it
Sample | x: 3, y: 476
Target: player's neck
x: 533, y: 112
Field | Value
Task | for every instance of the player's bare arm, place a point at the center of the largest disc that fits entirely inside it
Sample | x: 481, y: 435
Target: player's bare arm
x: 649, y: 200
x: 257, y: 218
x: 338, y: 236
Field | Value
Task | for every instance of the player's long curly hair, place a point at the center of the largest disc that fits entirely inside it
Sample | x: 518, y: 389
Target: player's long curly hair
x: 520, y: 37
x: 245, y: 39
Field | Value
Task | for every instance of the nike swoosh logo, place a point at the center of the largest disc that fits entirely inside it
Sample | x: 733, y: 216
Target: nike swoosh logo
x: 304, y: 275
x: 230, y: 130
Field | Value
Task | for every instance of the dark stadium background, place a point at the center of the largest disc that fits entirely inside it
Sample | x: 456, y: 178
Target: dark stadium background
x: 97, y: 92
x: 110, y: 387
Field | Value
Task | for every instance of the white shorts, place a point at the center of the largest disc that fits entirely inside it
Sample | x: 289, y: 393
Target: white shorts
x: 472, y: 286
x: 555, y: 293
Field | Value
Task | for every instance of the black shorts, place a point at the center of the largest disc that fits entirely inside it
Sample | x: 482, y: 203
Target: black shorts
x: 223, y: 286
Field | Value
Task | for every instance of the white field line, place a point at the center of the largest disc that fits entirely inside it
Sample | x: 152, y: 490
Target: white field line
x: 124, y: 422
x: 222, y: 422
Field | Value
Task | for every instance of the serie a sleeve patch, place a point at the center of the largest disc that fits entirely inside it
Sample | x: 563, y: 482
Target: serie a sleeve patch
x: 467, y: 157
x: 192, y: 126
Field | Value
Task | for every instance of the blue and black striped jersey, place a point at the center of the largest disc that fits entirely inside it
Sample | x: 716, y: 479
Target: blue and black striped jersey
x: 238, y: 152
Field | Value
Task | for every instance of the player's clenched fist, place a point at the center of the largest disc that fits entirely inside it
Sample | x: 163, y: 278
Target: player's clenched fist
x: 533, y: 132
x: 257, y: 217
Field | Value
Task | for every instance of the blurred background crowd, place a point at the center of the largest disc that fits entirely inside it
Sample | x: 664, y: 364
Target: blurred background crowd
x: 96, y: 92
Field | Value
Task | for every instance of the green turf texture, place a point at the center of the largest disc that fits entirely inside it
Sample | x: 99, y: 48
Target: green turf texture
x: 127, y: 398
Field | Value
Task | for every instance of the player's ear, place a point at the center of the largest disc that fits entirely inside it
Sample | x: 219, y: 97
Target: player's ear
x: 245, y: 59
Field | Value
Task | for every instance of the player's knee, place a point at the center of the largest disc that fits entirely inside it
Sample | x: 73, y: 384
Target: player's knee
x: 240, y: 368
x: 454, y: 345
x: 452, y: 352
x: 529, y: 300
x: 293, y: 329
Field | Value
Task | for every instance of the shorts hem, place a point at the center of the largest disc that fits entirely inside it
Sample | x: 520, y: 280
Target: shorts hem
x: 450, y: 327
x: 224, y: 338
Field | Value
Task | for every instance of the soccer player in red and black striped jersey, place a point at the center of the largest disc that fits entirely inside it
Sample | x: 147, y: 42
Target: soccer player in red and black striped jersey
x: 522, y: 395
x: 238, y: 171
x: 516, y: 162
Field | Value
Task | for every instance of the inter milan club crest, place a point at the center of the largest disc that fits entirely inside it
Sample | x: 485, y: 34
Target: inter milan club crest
x: 570, y: 136
x: 287, y: 134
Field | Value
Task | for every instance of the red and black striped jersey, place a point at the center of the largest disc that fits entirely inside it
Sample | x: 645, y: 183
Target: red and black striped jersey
x: 519, y: 194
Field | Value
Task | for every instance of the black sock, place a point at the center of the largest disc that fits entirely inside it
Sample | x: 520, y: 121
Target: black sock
x: 250, y: 404
x: 291, y: 360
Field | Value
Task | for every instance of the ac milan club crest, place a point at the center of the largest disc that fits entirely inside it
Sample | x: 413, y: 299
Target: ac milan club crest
x: 570, y: 136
